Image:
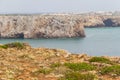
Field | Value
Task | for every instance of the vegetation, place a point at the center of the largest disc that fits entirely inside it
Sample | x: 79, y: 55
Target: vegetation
x: 55, y: 65
x: 3, y: 46
x: 17, y: 45
x: 44, y: 71
x: 42, y: 63
x: 100, y: 59
x: 115, y: 69
x: 78, y: 76
x: 79, y: 66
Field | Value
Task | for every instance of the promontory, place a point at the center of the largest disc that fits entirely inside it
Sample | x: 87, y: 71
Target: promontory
x: 53, y: 25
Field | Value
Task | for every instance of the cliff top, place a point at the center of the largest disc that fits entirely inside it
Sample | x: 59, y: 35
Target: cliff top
x: 117, y: 13
x: 20, y: 61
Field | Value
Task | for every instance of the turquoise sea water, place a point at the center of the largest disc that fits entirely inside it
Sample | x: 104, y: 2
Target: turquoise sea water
x: 98, y: 42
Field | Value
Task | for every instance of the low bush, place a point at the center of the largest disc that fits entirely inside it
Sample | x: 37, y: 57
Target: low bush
x: 44, y: 71
x: 54, y: 65
x: 115, y: 69
x: 17, y: 45
x: 78, y: 76
x: 3, y: 46
x: 100, y: 59
x: 79, y: 66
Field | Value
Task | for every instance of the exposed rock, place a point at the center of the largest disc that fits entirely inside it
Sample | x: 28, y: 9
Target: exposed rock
x: 112, y: 22
x: 52, y: 25
x: 40, y: 26
x: 102, y: 21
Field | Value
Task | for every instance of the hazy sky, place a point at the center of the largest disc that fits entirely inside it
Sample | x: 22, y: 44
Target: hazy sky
x: 38, y: 6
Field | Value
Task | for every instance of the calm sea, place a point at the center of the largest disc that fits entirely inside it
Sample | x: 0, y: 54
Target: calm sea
x: 98, y: 42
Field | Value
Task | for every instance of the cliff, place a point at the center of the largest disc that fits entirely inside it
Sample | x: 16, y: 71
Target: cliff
x: 52, y: 25
x: 40, y: 26
x: 101, y: 21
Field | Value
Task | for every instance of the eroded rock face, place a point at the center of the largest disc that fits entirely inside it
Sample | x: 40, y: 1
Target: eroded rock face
x: 40, y: 26
x: 52, y: 25
x: 112, y: 22
x: 101, y: 21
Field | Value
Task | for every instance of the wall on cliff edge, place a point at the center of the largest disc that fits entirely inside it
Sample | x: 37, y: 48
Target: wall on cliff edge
x: 40, y: 26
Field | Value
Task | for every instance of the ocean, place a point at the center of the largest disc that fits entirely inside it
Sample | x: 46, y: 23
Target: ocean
x: 103, y: 41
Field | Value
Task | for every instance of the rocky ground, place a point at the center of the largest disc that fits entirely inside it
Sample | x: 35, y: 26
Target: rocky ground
x: 19, y: 61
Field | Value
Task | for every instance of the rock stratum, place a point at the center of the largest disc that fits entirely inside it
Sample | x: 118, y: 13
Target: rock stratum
x: 52, y: 25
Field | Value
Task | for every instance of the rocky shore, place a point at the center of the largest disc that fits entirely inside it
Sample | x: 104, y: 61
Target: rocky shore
x: 19, y: 61
x: 53, y: 25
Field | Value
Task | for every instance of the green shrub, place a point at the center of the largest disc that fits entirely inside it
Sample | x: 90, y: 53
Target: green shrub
x: 115, y: 69
x: 17, y: 45
x: 3, y: 46
x: 78, y: 76
x: 44, y: 71
x: 79, y: 66
x: 100, y: 59
x: 55, y: 65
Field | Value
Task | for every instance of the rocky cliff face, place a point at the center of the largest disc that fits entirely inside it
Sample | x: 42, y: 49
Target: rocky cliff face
x: 52, y: 25
x: 40, y: 26
x: 100, y: 21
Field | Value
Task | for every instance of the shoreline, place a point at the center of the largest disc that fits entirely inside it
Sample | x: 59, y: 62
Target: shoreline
x: 73, y: 45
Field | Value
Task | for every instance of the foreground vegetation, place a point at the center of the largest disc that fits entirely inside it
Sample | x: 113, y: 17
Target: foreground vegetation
x: 17, y: 45
x: 19, y: 61
x: 78, y: 76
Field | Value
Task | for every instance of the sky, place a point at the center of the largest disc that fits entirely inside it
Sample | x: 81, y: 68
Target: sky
x: 43, y: 6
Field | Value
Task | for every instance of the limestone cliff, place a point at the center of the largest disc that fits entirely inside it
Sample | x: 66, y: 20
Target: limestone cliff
x: 100, y: 21
x: 40, y: 26
x: 52, y: 25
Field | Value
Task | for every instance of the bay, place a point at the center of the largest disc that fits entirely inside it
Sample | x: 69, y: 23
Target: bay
x: 98, y: 42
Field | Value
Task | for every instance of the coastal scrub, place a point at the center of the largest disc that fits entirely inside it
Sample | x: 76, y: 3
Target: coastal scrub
x: 17, y: 45
x: 100, y: 59
x: 115, y: 69
x: 78, y: 76
x: 80, y: 66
